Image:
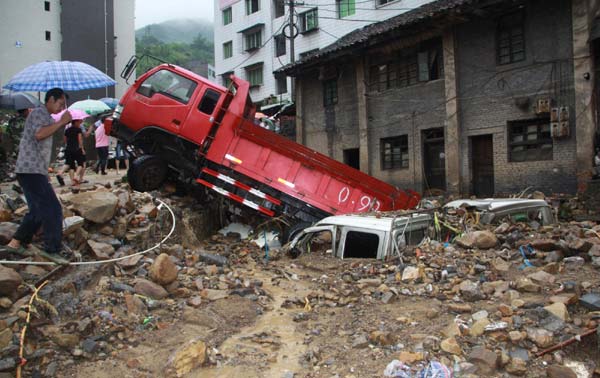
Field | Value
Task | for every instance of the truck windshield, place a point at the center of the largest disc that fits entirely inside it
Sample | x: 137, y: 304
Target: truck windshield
x: 168, y: 84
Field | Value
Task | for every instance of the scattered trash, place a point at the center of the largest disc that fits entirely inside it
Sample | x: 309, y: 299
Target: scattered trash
x: 397, y: 369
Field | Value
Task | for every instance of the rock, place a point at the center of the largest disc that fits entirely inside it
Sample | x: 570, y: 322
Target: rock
x: 502, y: 229
x: 381, y: 338
x: 213, y: 295
x: 72, y: 224
x: 195, y: 301
x: 410, y: 358
x: 480, y: 239
x: 500, y: 265
x: 6, y: 337
x: 554, y: 256
x: 479, y: 315
x: 559, y: 310
x: 526, y: 285
x: 187, y: 358
x: 485, y: 359
x: 580, y: 246
x: 478, y: 328
x: 470, y: 291
x: 5, y: 303
x: 102, y: 251
x: 451, y: 330
x: 135, y: 305
x: 556, y: 371
x: 66, y: 340
x: 98, y: 206
x: 7, y: 230
x: 149, y: 210
x: 516, y: 366
x: 360, y: 341
x: 540, y: 337
x: 460, y: 307
x: 546, y: 245
x: 593, y: 252
x: 212, y: 259
x: 163, y: 271
x: 9, y: 281
x: 150, y: 289
x: 505, y: 310
x: 542, y: 278
x: 130, y: 262
x: 450, y: 345
x: 591, y: 301
x: 411, y: 273
x: 89, y: 345
x: 515, y: 336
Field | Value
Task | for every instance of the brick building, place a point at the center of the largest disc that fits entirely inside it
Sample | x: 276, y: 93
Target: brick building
x: 473, y: 96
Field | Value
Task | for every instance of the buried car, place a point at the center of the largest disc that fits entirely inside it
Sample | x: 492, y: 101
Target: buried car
x: 364, y: 236
x: 496, y: 210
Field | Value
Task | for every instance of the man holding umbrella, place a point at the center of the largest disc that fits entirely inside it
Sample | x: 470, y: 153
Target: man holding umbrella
x: 32, y: 174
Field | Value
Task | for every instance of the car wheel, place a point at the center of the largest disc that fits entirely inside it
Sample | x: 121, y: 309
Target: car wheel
x: 146, y: 173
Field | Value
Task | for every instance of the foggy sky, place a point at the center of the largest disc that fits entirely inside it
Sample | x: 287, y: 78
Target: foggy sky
x: 156, y: 11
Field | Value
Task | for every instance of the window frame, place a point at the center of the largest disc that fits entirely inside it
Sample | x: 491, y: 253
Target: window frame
x: 278, y: 85
x: 227, y: 15
x: 507, y: 24
x: 47, y: 6
x: 303, y: 17
x: 403, y: 160
x: 277, y: 7
x: 225, y: 78
x: 256, y: 43
x: 533, y: 148
x: 48, y: 35
x: 227, y: 47
x: 345, y: 8
x: 209, y: 96
x: 280, y: 47
x: 330, y: 92
x: 249, y: 6
x: 255, y: 68
x: 190, y: 90
x: 382, y: 3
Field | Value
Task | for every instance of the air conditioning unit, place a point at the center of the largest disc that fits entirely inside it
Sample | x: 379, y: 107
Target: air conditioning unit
x: 559, y: 122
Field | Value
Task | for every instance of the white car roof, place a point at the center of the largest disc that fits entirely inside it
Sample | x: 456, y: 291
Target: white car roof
x: 492, y: 204
x: 372, y: 222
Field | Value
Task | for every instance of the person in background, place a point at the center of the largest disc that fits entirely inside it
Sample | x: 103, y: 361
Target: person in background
x: 102, y: 143
x: 74, y: 151
x: 121, y: 154
x: 45, y: 210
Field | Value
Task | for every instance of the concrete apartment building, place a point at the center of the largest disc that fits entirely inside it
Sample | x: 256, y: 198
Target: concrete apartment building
x: 98, y: 32
x: 250, y: 43
x: 465, y: 96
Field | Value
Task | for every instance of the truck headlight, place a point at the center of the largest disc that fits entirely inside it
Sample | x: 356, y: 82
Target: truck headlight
x: 117, y: 112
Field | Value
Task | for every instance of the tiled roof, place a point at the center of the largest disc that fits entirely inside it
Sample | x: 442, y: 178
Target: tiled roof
x: 360, y: 37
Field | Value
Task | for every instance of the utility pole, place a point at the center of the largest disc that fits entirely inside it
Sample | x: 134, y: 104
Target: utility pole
x: 292, y: 53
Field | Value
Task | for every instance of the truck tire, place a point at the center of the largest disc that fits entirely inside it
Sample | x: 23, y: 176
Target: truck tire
x: 291, y: 233
x: 147, y: 173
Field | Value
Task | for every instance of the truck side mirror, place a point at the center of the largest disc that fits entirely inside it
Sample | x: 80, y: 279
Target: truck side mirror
x: 146, y: 90
x: 129, y: 67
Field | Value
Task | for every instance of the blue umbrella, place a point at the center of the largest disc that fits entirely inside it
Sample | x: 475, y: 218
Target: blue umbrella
x: 111, y: 102
x: 70, y: 76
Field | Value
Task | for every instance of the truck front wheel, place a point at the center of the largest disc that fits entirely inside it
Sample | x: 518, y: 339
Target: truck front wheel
x: 147, y: 173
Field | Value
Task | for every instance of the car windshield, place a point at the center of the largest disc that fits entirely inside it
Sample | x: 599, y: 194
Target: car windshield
x: 169, y: 84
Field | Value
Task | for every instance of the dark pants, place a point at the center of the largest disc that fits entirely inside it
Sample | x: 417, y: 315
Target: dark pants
x: 44, y: 211
x: 102, y: 159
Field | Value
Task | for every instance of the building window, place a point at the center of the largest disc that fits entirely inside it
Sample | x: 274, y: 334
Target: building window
x: 422, y: 64
x: 226, y: 79
x: 254, y: 75
x: 227, y: 50
x: 309, y: 21
x: 253, y: 40
x: 279, y: 7
x: 251, y: 6
x: 529, y: 140
x: 383, y: 2
x: 394, y: 152
x: 345, y: 8
x: 510, y: 38
x: 47, y: 6
x: 281, y: 83
x: 330, y: 95
x: 227, y: 16
x: 48, y: 36
x: 279, y: 45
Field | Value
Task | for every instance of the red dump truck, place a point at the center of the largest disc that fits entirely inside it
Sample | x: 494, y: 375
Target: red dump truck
x: 181, y: 124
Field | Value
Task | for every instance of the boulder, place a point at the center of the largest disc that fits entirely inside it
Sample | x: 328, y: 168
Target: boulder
x: 556, y: 371
x: 546, y: 245
x: 213, y: 295
x: 411, y: 273
x: 484, y: 359
x: 591, y: 301
x: 516, y: 367
x: 66, y: 340
x: 559, y: 310
x: 540, y: 337
x: 410, y: 358
x: 542, y: 278
x: 98, y: 207
x: 9, y: 281
x: 6, y: 337
x: 187, y: 358
x: 135, y: 305
x: 150, y: 289
x: 72, y: 224
x: 7, y: 230
x: 163, y: 271
x: 526, y: 285
x: 102, y: 251
x: 478, y: 328
x: 470, y: 291
x: 450, y: 345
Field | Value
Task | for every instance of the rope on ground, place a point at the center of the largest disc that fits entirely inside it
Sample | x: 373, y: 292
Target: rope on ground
x: 99, y: 262
x: 23, y: 361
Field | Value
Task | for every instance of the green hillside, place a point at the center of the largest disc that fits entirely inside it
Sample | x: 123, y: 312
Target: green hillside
x: 182, y: 31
